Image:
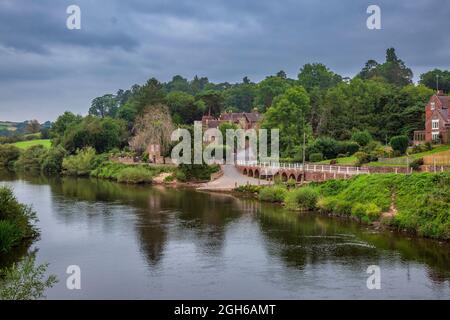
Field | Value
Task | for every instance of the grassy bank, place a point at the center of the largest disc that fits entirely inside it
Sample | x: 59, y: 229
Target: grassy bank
x: 417, y: 203
x: 16, y: 221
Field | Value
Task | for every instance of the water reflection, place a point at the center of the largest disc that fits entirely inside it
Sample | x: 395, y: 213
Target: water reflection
x: 216, y: 244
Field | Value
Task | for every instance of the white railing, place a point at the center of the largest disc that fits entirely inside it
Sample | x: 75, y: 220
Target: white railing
x: 307, y: 167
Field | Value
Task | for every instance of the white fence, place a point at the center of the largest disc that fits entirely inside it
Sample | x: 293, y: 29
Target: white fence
x: 275, y: 166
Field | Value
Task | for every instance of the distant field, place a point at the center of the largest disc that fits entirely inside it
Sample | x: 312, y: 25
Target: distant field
x: 26, y: 144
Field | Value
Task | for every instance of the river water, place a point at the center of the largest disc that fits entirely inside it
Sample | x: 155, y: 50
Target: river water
x: 141, y: 242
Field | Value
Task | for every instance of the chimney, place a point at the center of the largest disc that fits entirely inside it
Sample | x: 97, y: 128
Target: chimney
x: 440, y: 92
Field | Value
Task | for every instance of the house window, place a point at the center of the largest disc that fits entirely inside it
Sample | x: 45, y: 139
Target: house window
x: 433, y: 105
x: 435, y: 136
x: 434, y: 124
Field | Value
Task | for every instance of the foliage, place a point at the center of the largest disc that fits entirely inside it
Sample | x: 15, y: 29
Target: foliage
x: 304, y: 198
x: 268, y: 89
x: 105, y: 106
x: 81, y: 163
x: 16, y: 220
x: 196, y: 172
x: 288, y: 114
x: 276, y: 193
x: 399, y: 143
x: 134, y: 175
x: 316, y: 157
x: 8, y: 154
x: 429, y: 79
x: 362, y: 137
x: 317, y: 75
x: 248, y: 188
x: 52, y: 160
x: 101, y: 134
x: 25, y: 280
x: 415, y: 164
x: 31, y: 159
x: 393, y: 70
x: 153, y: 126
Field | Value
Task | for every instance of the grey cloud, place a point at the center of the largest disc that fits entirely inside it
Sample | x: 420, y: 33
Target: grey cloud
x: 126, y: 42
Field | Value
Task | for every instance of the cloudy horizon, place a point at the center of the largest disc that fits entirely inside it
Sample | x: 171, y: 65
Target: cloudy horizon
x: 46, y: 69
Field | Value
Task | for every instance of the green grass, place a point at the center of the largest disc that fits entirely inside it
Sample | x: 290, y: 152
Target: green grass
x: 350, y: 161
x: 26, y: 144
x: 345, y: 161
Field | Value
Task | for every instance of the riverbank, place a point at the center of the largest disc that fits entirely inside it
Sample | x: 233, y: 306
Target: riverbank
x: 418, y: 203
x: 16, y: 221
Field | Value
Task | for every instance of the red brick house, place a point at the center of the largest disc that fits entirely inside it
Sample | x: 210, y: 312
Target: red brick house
x: 437, y: 120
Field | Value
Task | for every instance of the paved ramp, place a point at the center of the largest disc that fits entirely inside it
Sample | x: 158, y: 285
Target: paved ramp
x: 230, y: 179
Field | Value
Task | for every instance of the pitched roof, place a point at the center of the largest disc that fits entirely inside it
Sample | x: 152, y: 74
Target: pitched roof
x: 445, y: 101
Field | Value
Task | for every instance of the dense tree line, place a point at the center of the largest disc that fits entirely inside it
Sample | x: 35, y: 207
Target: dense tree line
x: 381, y: 100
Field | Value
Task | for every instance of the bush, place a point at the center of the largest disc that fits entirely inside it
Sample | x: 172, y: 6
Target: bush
x: 415, y: 165
x: 362, y: 137
x: 362, y: 158
x: 291, y: 183
x: 8, y: 154
x: 196, y: 172
x: 304, y: 198
x: 373, y: 211
x: 30, y: 160
x: 399, y: 144
x: 53, y: 160
x: 15, y: 220
x: 275, y: 193
x: 358, y: 210
x: 315, y: 157
x: 346, y: 148
x: 135, y: 175
x: 10, y: 235
x: 80, y: 164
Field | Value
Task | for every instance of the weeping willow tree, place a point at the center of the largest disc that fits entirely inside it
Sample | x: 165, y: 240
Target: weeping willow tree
x: 153, y: 126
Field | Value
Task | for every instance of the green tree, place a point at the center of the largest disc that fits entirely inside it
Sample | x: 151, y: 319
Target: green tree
x: 317, y: 75
x: 213, y: 101
x: 184, y: 108
x: 436, y: 78
x: 399, y: 144
x: 268, y: 89
x: 104, y: 106
x: 101, y: 134
x: 289, y: 114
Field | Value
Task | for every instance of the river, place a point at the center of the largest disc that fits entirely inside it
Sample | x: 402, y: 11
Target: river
x: 142, y: 242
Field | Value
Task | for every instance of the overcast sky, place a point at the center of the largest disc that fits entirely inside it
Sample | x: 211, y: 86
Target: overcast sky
x: 46, y: 68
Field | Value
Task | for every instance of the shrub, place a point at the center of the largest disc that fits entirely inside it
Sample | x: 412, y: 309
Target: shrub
x: 10, y: 235
x: 342, y: 207
x: 316, y: 157
x: 80, y: 164
x: 362, y: 158
x: 346, y: 148
x: 248, y: 188
x: 358, y: 210
x: 275, y: 193
x: 15, y: 220
x: 291, y: 183
x: 196, y: 172
x: 415, y: 164
x: 362, y: 137
x: 304, y: 198
x: 373, y: 211
x: 8, y: 154
x: 31, y: 159
x: 52, y: 161
x: 135, y: 175
x: 399, y: 143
